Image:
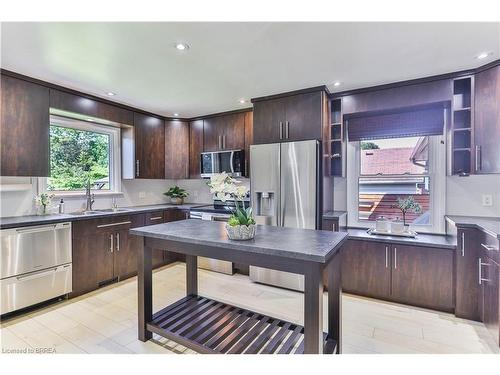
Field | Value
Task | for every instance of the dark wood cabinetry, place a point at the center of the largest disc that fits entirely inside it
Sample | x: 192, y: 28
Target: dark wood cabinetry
x: 176, y: 149
x: 103, y: 251
x: 24, y: 128
x: 366, y: 268
x: 248, y: 140
x: 490, y: 273
x: 89, y: 107
x: 487, y: 121
x: 153, y: 218
x: 423, y: 276
x: 224, y: 132
x: 195, y: 147
x: 290, y: 118
x: 415, y: 275
x: 466, y: 270
x: 149, y: 146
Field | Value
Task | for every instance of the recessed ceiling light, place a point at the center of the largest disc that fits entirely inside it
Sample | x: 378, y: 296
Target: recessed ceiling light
x: 483, y: 55
x: 181, y: 46
x: 336, y: 84
x: 242, y: 101
x: 176, y: 114
x: 110, y: 93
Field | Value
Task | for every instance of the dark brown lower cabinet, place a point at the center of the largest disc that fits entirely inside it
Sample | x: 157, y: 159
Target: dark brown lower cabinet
x: 414, y: 275
x: 467, y: 290
x: 423, y: 276
x: 366, y: 268
x: 174, y: 215
x: 103, y: 250
x: 490, y: 290
x: 152, y: 218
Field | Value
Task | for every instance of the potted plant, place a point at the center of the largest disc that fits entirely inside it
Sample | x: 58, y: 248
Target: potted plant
x: 406, y: 205
x: 241, y: 224
x: 43, y: 200
x: 176, y: 194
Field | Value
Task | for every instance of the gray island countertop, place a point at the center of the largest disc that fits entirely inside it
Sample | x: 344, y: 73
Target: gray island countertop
x: 303, y: 244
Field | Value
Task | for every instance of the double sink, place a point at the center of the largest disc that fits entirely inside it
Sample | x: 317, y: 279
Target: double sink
x: 102, y: 211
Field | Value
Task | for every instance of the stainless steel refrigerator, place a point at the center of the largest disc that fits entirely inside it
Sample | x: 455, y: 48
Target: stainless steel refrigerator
x: 285, y: 191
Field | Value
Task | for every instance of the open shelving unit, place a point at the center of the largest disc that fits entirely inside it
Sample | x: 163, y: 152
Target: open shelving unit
x: 335, y: 140
x: 209, y: 326
x: 462, y: 126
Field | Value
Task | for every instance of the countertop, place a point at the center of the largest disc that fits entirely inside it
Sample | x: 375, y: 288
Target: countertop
x: 303, y: 244
x: 30, y: 220
x: 334, y: 214
x: 428, y: 240
x: 491, y: 225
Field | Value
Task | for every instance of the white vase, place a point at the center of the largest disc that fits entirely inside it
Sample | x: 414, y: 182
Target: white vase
x: 240, y: 232
x: 176, y: 200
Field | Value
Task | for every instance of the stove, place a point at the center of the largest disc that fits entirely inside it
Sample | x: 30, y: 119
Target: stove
x: 218, y: 207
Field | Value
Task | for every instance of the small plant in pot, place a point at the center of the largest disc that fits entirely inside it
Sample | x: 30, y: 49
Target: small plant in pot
x: 407, y: 205
x: 241, y: 224
x: 176, y: 194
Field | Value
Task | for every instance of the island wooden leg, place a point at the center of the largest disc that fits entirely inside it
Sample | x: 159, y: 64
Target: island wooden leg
x: 145, y: 282
x: 335, y: 300
x: 313, y: 310
x: 191, y: 275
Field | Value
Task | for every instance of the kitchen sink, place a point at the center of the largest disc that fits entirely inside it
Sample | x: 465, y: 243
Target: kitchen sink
x: 84, y: 213
x: 95, y: 212
x: 114, y: 210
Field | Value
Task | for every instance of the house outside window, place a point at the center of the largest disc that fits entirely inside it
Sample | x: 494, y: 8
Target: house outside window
x: 391, y: 169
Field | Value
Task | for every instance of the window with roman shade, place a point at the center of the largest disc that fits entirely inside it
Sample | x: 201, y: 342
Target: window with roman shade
x: 409, y: 122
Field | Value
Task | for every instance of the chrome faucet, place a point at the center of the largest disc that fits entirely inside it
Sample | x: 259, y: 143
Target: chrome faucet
x: 89, y: 197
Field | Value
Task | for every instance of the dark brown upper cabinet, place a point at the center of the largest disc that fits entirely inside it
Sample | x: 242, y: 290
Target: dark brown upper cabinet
x: 176, y: 149
x: 487, y: 121
x: 224, y: 132
x: 24, y: 129
x: 296, y: 117
x: 195, y: 147
x: 149, y: 146
x: 89, y: 107
x: 248, y: 140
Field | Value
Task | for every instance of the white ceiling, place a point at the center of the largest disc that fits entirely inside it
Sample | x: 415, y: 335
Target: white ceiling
x: 229, y: 61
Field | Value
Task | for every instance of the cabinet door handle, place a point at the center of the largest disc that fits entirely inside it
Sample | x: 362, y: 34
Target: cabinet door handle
x: 286, y: 129
x: 395, y: 258
x: 463, y: 244
x: 117, y: 241
x: 478, y: 158
x: 387, y: 257
x: 281, y: 129
x: 112, y: 244
x: 137, y: 168
x: 480, y: 265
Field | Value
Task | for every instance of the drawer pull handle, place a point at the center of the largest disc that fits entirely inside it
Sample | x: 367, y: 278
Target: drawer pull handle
x: 37, y: 274
x: 156, y: 218
x: 481, y: 264
x: 489, y: 247
x: 114, y: 224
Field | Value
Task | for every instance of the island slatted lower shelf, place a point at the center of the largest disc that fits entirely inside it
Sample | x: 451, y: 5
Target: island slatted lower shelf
x: 209, y: 326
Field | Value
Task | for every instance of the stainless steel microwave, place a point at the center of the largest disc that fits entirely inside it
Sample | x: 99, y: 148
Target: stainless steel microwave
x: 232, y: 162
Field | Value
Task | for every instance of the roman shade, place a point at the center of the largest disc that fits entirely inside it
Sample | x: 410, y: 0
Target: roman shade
x: 410, y: 122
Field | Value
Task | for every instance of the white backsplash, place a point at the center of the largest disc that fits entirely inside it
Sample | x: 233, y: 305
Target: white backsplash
x: 16, y: 194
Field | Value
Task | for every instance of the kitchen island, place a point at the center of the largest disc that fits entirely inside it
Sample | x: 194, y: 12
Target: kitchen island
x: 209, y: 326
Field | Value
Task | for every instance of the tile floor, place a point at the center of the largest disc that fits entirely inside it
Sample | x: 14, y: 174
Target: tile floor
x: 104, y: 321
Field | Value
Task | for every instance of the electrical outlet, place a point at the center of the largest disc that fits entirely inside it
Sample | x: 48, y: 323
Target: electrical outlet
x: 142, y: 194
x: 195, y: 193
x: 487, y: 200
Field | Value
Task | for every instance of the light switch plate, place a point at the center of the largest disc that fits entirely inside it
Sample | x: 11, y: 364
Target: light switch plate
x: 487, y: 200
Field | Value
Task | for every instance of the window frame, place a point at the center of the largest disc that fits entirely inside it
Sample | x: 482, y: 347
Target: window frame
x: 114, y: 156
x: 436, y: 174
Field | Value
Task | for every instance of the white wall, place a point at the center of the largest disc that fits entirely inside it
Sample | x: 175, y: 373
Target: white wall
x: 464, y: 195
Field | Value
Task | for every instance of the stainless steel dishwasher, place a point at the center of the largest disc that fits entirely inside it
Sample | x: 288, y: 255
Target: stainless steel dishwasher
x: 35, y: 265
